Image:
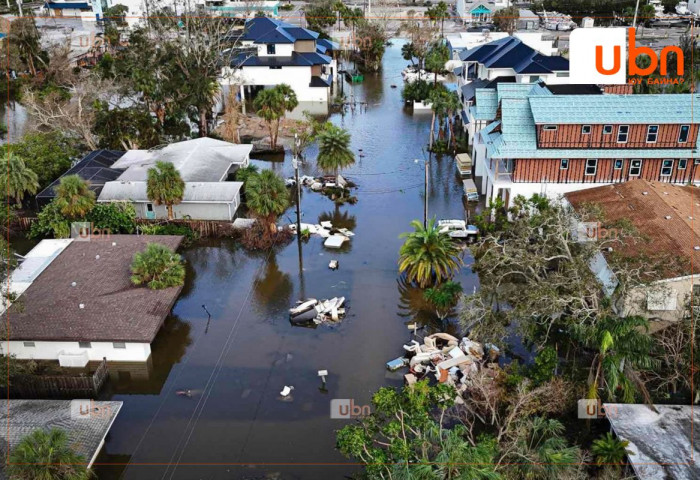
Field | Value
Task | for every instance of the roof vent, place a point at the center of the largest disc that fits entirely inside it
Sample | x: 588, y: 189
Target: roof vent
x: 690, y: 218
x: 668, y: 217
x: 114, y: 244
x: 645, y: 193
x: 610, y: 249
x: 696, y: 247
x: 97, y: 257
x: 665, y: 193
x: 73, y: 284
x: 82, y: 305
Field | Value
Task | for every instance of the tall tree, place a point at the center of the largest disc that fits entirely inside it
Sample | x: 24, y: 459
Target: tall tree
x: 271, y: 105
x: 20, y: 178
x: 506, y: 19
x: 74, y: 198
x: 25, y: 36
x: 436, y: 58
x: 439, y: 13
x: 165, y: 186
x: 427, y: 255
x: 267, y: 196
x: 334, y: 151
x: 46, y: 455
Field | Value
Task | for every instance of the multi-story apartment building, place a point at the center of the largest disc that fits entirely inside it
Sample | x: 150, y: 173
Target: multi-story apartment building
x: 538, y: 142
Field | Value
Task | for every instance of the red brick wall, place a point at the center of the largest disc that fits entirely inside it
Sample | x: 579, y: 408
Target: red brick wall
x: 570, y: 136
x: 538, y: 170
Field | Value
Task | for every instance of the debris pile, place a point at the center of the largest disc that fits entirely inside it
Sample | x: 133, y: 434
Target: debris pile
x: 335, y: 237
x: 449, y: 359
x: 323, y: 311
x: 318, y: 183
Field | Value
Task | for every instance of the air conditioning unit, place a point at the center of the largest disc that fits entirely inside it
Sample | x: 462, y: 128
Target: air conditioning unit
x: 73, y: 359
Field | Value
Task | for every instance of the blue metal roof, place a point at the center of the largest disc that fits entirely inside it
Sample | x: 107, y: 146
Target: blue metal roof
x: 62, y: 5
x: 511, y: 52
x: 269, y: 30
x: 297, y: 59
x: 580, y: 109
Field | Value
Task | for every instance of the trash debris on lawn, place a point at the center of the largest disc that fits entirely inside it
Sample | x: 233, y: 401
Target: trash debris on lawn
x: 333, y: 265
x: 335, y: 237
x: 243, y: 223
x: 448, y: 358
x: 312, y: 310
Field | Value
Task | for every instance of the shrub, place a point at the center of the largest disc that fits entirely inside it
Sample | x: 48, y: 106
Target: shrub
x: 158, y: 267
x: 117, y: 217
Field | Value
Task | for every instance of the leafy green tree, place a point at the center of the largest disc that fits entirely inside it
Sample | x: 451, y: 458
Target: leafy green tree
x: 622, y: 346
x: 116, y: 217
x: 443, y: 297
x: 546, y: 362
x: 74, y: 197
x: 436, y: 58
x: 506, y: 19
x: 373, y: 44
x: 126, y: 128
x: 271, y: 105
x: 25, y: 37
x: 44, y: 455
x: 157, y: 267
x: 48, y: 154
x: 401, y: 438
x: 439, y: 13
x: 50, y: 222
x: 427, y: 255
x: 267, y: 196
x: 334, y: 151
x: 320, y: 14
x: 408, y: 52
x: 117, y: 14
x: 165, y: 186
x: 20, y: 178
x: 610, y: 450
x: 416, y: 91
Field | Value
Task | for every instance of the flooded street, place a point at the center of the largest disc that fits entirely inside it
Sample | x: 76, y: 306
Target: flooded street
x: 237, y: 362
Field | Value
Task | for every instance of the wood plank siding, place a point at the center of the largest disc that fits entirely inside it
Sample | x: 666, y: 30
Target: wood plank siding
x: 572, y: 136
x: 549, y: 170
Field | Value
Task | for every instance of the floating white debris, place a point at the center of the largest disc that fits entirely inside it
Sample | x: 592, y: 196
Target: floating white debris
x: 335, y: 241
x: 286, y: 391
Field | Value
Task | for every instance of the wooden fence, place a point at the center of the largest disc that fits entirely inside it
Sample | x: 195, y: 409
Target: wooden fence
x: 205, y: 228
x: 58, y: 386
x: 23, y: 223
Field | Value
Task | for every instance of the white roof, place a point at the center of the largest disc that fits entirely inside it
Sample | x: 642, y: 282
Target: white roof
x: 33, y: 264
x: 199, y: 160
x: 195, y: 192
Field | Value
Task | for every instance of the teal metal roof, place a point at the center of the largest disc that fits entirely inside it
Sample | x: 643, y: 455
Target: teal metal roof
x: 629, y: 109
x: 486, y: 103
x: 480, y: 9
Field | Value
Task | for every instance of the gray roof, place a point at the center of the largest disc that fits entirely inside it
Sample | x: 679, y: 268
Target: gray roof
x: 85, y: 432
x: 200, y: 160
x: 195, y: 192
x: 661, y: 442
x: 681, y: 108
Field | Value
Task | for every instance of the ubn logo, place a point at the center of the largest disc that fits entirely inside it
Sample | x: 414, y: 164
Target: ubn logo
x: 86, y: 231
x: 89, y: 409
x: 594, y: 231
x: 594, y: 408
x: 346, y: 408
x: 597, y: 56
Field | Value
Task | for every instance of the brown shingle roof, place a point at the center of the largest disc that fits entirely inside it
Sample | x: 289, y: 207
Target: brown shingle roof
x: 114, y: 309
x: 647, y: 204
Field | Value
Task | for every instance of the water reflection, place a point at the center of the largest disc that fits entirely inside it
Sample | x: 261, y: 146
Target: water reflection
x: 272, y: 289
x: 339, y: 219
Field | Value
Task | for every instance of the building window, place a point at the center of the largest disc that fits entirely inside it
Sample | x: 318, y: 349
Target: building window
x: 683, y: 134
x: 591, y: 166
x: 84, y: 345
x: 275, y: 67
x: 622, y: 132
x: 562, y: 74
x: 586, y: 129
x: 564, y: 164
x: 119, y: 345
x: 635, y: 167
x: 666, y: 168
x: 618, y: 164
x: 682, y: 163
x: 652, y: 133
x: 29, y: 344
x: 696, y: 161
x: 607, y: 129
x: 271, y: 49
x: 550, y: 128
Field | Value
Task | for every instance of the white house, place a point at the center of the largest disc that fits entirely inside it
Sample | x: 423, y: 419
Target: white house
x: 274, y: 52
x: 87, y: 10
x: 205, y: 165
x: 475, y: 11
x: 76, y: 302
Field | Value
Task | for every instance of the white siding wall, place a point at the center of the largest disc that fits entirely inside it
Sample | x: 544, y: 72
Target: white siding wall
x: 134, y: 352
x: 196, y: 211
x: 281, y: 50
x: 298, y: 78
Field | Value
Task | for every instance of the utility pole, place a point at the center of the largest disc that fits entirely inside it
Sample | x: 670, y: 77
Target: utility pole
x: 634, y: 22
x: 425, y: 202
x: 295, y: 164
x: 19, y: 6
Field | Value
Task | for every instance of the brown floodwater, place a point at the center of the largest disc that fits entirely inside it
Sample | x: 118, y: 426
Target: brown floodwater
x: 237, y: 362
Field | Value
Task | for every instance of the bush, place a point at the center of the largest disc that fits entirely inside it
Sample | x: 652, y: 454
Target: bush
x: 158, y: 267
x: 50, y: 223
x: 171, y: 229
x: 416, y: 91
x: 117, y: 217
x: 258, y: 237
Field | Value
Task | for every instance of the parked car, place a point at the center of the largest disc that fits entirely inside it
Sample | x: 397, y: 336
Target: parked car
x: 458, y: 229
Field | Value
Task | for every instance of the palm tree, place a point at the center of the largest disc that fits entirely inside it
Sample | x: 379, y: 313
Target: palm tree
x: 74, y: 197
x: 165, y: 186
x: 438, y: 104
x: 158, y: 267
x: 439, y: 13
x: 271, y: 104
x: 610, y: 450
x: 452, y: 106
x: 334, y: 151
x: 623, y: 345
x: 46, y: 455
x: 428, y: 256
x: 267, y: 196
x: 20, y: 178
